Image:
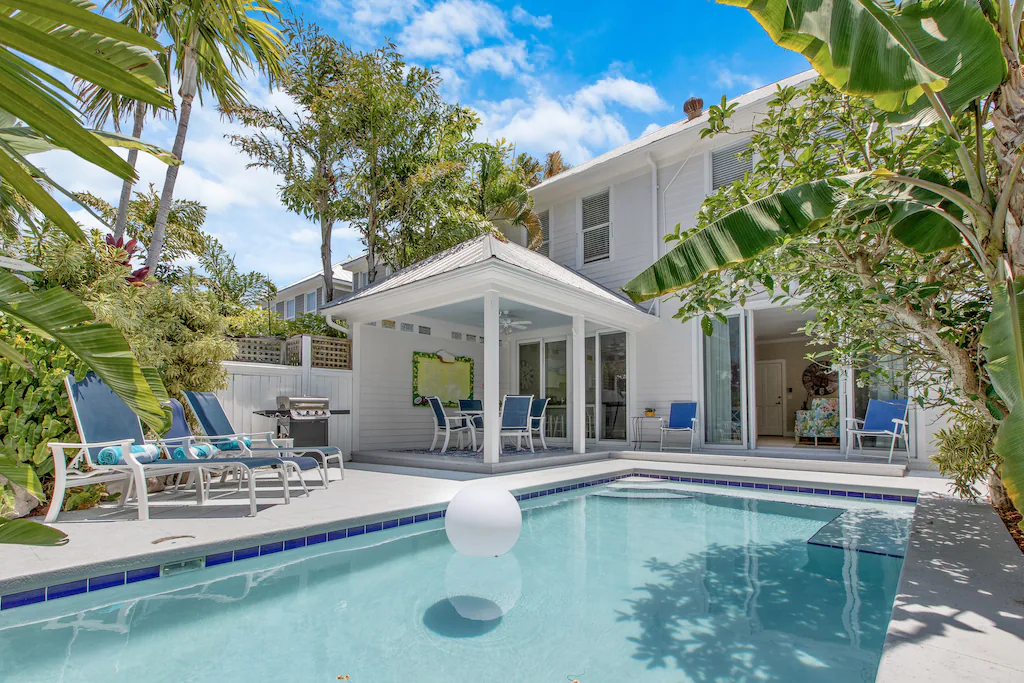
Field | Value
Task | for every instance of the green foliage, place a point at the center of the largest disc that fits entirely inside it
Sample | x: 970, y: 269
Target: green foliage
x: 966, y: 454
x: 259, y: 322
x: 179, y: 330
x: 34, y: 407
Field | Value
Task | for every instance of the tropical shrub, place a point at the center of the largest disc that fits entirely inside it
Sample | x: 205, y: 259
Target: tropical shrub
x: 965, y: 453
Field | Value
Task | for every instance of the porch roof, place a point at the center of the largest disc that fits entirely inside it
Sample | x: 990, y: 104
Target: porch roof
x: 468, y: 269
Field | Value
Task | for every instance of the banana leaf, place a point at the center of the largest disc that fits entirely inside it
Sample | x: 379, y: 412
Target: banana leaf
x: 22, y: 475
x: 24, y: 532
x: 888, y: 51
x: 57, y: 314
x: 1003, y: 342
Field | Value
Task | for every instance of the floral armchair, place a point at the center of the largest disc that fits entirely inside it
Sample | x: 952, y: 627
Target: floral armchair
x: 820, y: 422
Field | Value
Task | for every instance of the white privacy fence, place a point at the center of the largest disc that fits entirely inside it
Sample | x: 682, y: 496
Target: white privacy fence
x: 256, y: 386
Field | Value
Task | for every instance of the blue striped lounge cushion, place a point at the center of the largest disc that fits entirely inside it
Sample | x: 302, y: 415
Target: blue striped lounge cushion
x: 197, y: 450
x: 111, y: 455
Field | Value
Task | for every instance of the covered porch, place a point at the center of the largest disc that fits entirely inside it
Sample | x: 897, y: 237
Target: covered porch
x: 519, y: 324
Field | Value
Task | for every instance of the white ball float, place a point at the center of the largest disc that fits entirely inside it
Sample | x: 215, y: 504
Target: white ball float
x: 483, y: 521
x: 483, y: 588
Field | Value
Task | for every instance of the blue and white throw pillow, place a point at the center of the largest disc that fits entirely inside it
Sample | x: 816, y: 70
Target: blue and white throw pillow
x: 197, y: 450
x: 112, y: 455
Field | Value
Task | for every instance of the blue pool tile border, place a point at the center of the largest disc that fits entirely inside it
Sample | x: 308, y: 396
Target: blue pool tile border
x: 79, y: 586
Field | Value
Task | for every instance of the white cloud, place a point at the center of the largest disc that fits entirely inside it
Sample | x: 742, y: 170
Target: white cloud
x: 622, y: 91
x: 306, y: 236
x: 579, y: 125
x: 521, y: 16
x: 451, y: 82
x: 651, y: 127
x: 380, y: 12
x: 727, y: 78
x: 505, y: 60
x: 442, y: 30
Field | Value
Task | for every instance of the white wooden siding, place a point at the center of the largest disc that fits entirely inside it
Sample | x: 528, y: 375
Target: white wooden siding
x: 387, y: 418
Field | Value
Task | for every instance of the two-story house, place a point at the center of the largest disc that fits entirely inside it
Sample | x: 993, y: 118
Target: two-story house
x: 565, y: 332
x: 307, y: 295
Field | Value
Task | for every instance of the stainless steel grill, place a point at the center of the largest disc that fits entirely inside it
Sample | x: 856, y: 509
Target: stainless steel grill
x: 304, y: 419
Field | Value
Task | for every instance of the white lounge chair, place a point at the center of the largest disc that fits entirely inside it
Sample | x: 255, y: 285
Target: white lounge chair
x: 112, y: 446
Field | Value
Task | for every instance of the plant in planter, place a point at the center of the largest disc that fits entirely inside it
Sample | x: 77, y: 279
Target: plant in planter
x: 649, y: 412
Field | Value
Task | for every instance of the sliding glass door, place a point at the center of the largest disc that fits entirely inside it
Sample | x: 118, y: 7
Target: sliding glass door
x: 614, y: 405
x: 556, y: 387
x: 724, y: 390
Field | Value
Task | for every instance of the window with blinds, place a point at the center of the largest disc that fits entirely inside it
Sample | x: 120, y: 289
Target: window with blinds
x: 597, y: 227
x: 280, y: 308
x: 544, y: 217
x: 727, y: 167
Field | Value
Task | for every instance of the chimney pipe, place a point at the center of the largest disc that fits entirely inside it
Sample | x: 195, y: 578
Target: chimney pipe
x: 693, y: 107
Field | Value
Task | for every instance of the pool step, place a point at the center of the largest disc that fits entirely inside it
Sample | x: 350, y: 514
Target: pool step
x: 866, y: 530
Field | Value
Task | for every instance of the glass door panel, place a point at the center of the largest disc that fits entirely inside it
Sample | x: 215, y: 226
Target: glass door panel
x: 613, y: 386
x: 723, y: 383
x: 556, y: 381
x: 529, y: 368
x: 590, y: 382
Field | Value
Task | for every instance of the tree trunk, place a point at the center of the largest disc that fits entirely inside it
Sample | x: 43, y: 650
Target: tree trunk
x: 326, y: 227
x: 997, y: 492
x: 188, y: 93
x: 126, y: 186
x: 1008, y: 134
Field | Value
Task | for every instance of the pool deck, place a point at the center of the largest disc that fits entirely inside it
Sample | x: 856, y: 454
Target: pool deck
x: 959, y: 613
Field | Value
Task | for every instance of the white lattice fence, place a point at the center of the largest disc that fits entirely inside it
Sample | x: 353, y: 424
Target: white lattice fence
x: 331, y: 352
x: 259, y: 349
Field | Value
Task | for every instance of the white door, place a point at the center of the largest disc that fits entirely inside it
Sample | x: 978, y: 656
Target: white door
x: 769, y: 398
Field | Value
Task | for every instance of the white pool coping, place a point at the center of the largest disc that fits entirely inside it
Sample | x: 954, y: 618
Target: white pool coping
x: 959, y: 613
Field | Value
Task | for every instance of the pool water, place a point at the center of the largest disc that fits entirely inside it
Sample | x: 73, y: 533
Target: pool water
x: 599, y: 588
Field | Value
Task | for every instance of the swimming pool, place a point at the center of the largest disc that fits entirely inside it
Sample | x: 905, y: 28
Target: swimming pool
x: 624, y: 582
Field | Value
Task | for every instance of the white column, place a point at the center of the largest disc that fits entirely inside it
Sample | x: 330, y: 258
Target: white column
x: 492, y: 442
x: 579, y: 389
x: 631, y: 385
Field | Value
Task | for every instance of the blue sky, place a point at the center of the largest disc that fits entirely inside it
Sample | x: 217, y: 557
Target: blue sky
x: 579, y: 76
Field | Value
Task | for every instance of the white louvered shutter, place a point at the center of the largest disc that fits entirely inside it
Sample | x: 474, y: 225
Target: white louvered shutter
x: 320, y: 297
x: 597, y: 227
x: 727, y: 167
x: 300, y: 301
x: 280, y: 308
x: 544, y: 217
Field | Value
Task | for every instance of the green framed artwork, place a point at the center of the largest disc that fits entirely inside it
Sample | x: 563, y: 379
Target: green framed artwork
x: 448, y: 380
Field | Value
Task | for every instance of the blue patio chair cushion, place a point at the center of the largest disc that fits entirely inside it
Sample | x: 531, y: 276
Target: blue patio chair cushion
x: 197, y: 450
x: 112, y: 455
x: 255, y: 462
x: 880, y: 415
x: 439, y: 415
x: 101, y: 415
x: 680, y: 415
x: 515, y: 414
x: 209, y: 412
x: 473, y: 404
x: 326, y: 450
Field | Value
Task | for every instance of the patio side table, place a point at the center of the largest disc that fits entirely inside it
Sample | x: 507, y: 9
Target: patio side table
x: 637, y: 425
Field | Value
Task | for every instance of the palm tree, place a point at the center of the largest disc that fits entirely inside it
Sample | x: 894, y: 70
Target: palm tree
x: 214, y: 40
x: 99, y: 105
x: 530, y: 169
x: 554, y: 164
x: 500, y: 194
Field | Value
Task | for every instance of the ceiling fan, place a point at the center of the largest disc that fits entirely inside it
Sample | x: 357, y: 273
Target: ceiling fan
x: 509, y: 324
